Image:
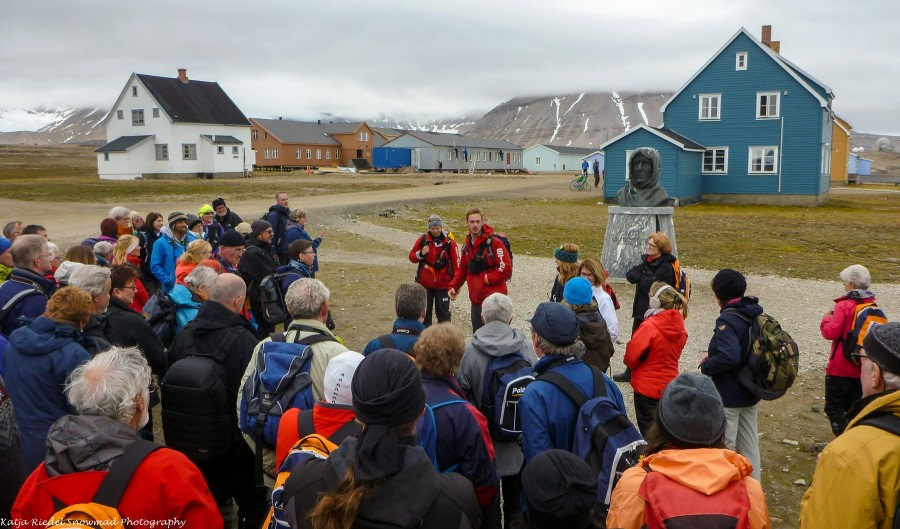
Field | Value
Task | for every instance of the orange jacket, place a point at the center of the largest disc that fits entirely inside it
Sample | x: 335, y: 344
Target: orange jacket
x: 659, y: 341
x: 705, y: 470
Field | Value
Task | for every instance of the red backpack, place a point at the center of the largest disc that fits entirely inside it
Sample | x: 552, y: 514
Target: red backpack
x: 670, y: 505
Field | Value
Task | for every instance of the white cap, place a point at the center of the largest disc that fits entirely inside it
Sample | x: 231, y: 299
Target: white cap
x: 338, y: 376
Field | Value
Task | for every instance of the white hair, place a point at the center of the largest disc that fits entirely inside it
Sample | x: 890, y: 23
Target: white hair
x: 90, y: 278
x: 306, y: 297
x: 104, y: 249
x: 109, y: 384
x: 54, y: 249
x: 497, y: 307
x: 119, y: 211
x: 891, y: 380
x: 201, y: 276
x: 858, y: 275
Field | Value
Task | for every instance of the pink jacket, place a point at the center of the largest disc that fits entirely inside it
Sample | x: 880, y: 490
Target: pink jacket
x: 836, y: 326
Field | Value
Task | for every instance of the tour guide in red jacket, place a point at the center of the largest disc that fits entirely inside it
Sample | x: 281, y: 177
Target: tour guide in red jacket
x: 484, y: 270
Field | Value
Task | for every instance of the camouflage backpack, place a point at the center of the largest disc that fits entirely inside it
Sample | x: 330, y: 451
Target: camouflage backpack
x: 772, y: 358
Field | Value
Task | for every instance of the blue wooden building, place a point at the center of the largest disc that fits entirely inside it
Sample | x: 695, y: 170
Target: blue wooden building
x: 765, y: 127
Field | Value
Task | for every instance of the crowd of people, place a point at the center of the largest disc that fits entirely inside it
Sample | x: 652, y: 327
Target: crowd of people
x: 274, y: 422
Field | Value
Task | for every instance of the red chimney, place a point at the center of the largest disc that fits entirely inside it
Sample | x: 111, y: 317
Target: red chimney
x: 766, y: 35
x: 182, y: 75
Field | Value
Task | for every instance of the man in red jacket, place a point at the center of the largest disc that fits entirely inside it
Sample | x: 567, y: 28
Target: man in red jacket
x: 436, y: 254
x: 484, y: 265
x: 81, y: 450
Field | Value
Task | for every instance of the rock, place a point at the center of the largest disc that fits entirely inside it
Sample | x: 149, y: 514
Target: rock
x: 791, y: 442
x: 785, y: 470
x: 808, y: 445
x: 800, y: 483
x: 775, y: 521
x: 814, y: 409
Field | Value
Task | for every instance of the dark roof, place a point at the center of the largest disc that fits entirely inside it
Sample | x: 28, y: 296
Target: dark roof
x: 219, y: 139
x: 122, y: 143
x: 570, y: 150
x: 305, y: 132
x: 441, y: 139
x: 688, y: 143
x: 194, y: 101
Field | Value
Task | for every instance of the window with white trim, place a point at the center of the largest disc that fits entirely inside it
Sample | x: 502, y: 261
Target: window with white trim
x: 255, y: 134
x: 137, y: 117
x: 133, y: 91
x: 318, y: 154
x: 309, y: 154
x: 710, y: 107
x: 220, y: 149
x: 274, y: 153
x: 537, y: 160
x: 327, y: 154
x: 299, y: 153
x: 715, y: 160
x: 188, y: 151
x: 156, y: 112
x: 106, y: 157
x: 628, y: 165
x: 740, y: 60
x: 337, y: 154
x: 763, y: 160
x: 120, y: 114
x: 767, y: 105
x: 235, y: 151
x: 266, y: 156
x: 162, y: 151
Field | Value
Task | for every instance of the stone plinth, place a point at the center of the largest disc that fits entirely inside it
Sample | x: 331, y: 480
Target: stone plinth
x: 626, y: 236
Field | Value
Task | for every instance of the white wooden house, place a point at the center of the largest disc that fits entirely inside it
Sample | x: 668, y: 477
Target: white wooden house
x: 163, y: 127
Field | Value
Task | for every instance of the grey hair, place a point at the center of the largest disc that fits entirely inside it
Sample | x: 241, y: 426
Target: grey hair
x: 53, y: 249
x: 201, y: 276
x: 90, y: 278
x: 10, y: 228
x: 108, y: 384
x: 227, y: 287
x: 497, y: 307
x: 858, y: 275
x: 891, y: 380
x: 104, y: 248
x: 119, y: 211
x: 575, y: 348
x: 26, y: 248
x: 306, y: 297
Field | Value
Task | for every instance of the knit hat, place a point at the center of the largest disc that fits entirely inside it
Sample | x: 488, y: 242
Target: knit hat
x: 435, y: 220
x: 578, y: 291
x: 882, y: 344
x: 204, y: 209
x: 729, y: 284
x: 231, y: 238
x: 560, y: 490
x: 387, y: 392
x: 218, y: 202
x: 192, y: 220
x: 243, y: 228
x: 690, y: 411
x: 339, y: 376
x: 259, y: 226
x: 567, y: 257
x: 175, y: 217
x: 5, y: 244
x: 555, y: 323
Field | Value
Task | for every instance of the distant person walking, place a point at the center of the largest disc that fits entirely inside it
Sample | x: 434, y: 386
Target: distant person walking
x: 596, y: 172
x: 584, y: 167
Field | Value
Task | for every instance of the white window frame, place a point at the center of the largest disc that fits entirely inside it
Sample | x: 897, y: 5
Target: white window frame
x: 710, y: 98
x: 360, y: 135
x: 761, y: 152
x: 309, y: 154
x: 156, y: 112
x: 162, y: 152
x: 628, y: 165
x: 769, y: 96
x: 235, y: 151
x: 274, y: 153
x: 327, y: 154
x: 740, y: 61
x: 266, y: 156
x: 188, y: 151
x: 537, y: 160
x: 134, y: 91
x: 220, y: 149
x: 137, y: 117
x: 299, y: 154
x: 106, y: 157
x: 318, y: 154
x: 120, y: 114
x: 255, y: 134
x: 715, y: 151
x: 337, y: 154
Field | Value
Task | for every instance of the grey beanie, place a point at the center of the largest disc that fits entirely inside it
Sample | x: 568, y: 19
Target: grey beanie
x: 690, y: 411
x: 435, y: 220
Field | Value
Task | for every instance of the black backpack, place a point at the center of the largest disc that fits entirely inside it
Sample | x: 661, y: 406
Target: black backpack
x: 199, y: 419
x: 271, y: 298
x: 160, y: 312
x: 484, y: 258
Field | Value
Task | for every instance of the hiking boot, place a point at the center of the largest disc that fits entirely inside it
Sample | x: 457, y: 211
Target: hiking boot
x: 624, y: 376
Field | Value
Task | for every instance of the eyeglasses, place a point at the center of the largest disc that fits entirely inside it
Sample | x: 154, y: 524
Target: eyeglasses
x: 127, y: 287
x: 587, y: 274
x: 857, y: 358
x: 308, y: 252
x: 651, y: 245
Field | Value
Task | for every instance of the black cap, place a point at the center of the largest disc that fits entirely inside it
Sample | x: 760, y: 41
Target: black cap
x: 560, y: 490
x: 218, y: 202
x: 231, y: 238
x: 555, y: 323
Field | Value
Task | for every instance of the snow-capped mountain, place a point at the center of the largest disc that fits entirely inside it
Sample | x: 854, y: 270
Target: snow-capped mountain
x: 449, y: 126
x: 52, y: 126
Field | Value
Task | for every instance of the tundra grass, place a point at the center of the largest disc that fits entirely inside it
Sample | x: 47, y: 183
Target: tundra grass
x: 809, y: 243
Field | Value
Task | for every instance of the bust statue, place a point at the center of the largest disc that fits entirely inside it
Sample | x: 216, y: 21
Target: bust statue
x: 643, y: 188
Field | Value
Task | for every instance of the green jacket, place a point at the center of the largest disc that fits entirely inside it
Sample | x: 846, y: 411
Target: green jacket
x: 4, y: 272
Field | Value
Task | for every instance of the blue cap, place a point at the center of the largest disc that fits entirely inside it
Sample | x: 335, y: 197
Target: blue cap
x: 5, y: 244
x: 578, y: 291
x: 555, y: 323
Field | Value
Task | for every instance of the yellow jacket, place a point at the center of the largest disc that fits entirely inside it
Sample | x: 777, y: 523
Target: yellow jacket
x: 857, y: 478
x: 706, y: 470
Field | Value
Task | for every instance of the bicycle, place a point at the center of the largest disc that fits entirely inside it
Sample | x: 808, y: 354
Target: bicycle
x: 580, y: 183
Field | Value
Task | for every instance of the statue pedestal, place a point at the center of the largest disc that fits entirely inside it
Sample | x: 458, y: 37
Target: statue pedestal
x: 626, y: 236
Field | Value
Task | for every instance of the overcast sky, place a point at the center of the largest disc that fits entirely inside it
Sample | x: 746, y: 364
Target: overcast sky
x: 431, y: 59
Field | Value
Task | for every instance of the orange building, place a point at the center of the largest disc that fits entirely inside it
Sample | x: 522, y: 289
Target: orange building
x: 288, y: 144
x: 840, y: 150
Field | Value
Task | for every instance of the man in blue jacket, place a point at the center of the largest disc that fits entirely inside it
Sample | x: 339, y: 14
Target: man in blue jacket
x: 168, y: 248
x: 23, y: 297
x: 278, y: 217
x: 726, y: 357
x: 548, y: 415
x: 409, y: 304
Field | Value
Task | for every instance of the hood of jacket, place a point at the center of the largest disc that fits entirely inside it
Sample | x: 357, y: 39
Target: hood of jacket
x: 77, y: 443
x: 264, y: 246
x: 705, y: 470
x: 857, y: 295
x: 213, y: 316
x: 43, y: 336
x: 498, y: 339
x: 669, y: 323
x: 182, y: 295
x: 166, y: 232
x: 30, y: 275
x: 748, y: 306
x: 281, y: 210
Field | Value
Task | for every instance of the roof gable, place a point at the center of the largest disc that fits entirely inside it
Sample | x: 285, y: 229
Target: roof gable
x: 666, y: 134
x: 560, y: 149
x: 801, y: 77
x: 193, y: 101
x: 289, y: 131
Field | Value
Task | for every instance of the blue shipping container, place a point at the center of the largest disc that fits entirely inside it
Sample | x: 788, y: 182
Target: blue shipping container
x: 391, y: 157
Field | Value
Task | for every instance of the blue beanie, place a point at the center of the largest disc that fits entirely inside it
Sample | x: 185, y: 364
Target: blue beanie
x: 578, y: 291
x: 5, y: 244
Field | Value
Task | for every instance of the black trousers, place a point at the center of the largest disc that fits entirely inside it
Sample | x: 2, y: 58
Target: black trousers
x: 840, y: 394
x: 645, y: 412
x: 476, y: 318
x: 438, y: 303
x: 232, y: 476
x: 596, y: 179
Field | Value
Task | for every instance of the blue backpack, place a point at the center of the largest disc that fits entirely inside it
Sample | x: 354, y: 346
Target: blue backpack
x: 604, y: 438
x: 426, y: 433
x: 280, y: 381
x: 505, y: 380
